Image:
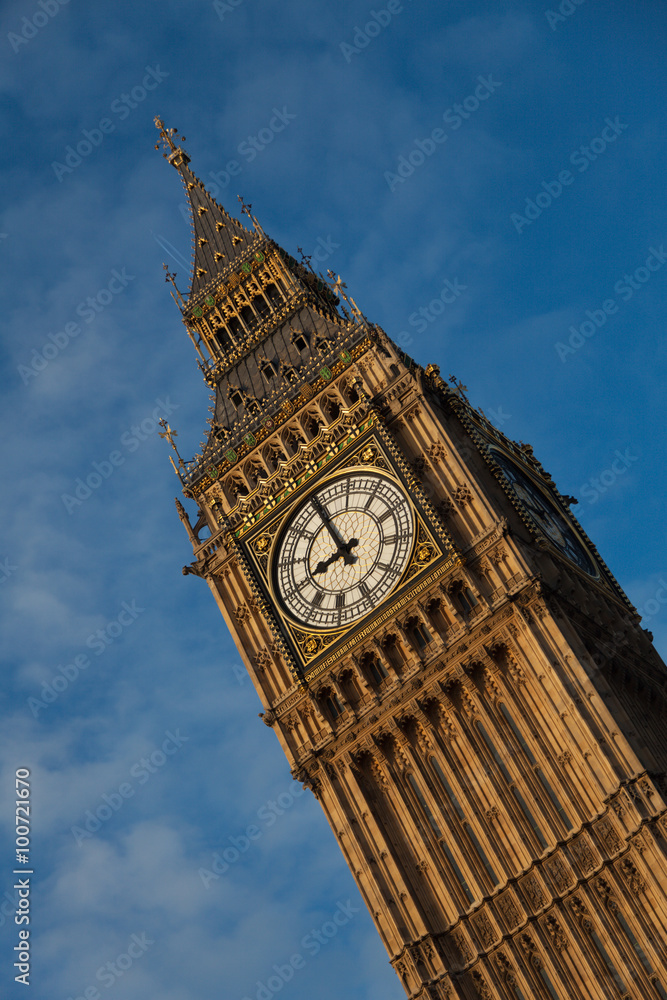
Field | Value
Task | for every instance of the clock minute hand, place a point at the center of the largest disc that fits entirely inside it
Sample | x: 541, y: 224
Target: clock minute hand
x: 343, y: 548
x: 321, y: 510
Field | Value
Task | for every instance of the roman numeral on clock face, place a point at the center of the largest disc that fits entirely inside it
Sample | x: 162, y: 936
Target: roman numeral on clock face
x: 371, y: 496
x: 340, y: 601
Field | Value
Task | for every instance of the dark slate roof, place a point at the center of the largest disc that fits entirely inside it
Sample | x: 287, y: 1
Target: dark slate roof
x: 278, y: 350
x: 324, y: 338
x: 214, y: 232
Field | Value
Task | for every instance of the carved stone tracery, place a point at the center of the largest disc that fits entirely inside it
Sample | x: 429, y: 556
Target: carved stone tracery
x: 635, y: 880
x: 242, y: 614
x: 534, y: 892
x: 481, y: 986
x: 556, y: 933
x: 560, y: 872
x: 584, y: 855
x: 509, y: 911
x: 485, y: 930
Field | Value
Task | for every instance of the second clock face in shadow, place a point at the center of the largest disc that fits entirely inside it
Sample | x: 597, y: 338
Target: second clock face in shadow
x: 344, y: 550
x: 546, y: 515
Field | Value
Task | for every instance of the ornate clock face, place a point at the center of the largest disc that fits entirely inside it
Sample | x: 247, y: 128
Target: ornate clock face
x: 546, y: 515
x: 343, y: 550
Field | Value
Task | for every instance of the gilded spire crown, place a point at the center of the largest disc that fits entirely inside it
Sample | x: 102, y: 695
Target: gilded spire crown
x: 220, y: 242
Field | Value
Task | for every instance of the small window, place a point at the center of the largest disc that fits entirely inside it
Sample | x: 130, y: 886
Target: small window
x: 221, y: 337
x: 436, y: 614
x: 332, y: 409
x: 269, y: 371
x: 300, y: 343
x: 234, y: 325
x: 393, y: 652
x: 374, y: 668
x: 635, y: 944
x: 377, y: 671
x: 350, y: 688
x: 273, y: 295
x: 236, y: 398
x: 261, y: 306
x: 547, y: 982
x: 613, y: 971
x: 333, y: 706
x: 248, y: 316
x: 464, y: 822
x: 421, y: 636
x: 458, y: 874
x: 466, y: 599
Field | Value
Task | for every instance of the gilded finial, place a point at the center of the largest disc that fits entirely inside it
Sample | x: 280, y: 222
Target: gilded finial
x: 337, y: 284
x: 305, y: 258
x: 246, y: 209
x: 166, y: 138
x: 170, y: 434
x: 459, y: 388
x: 171, y: 278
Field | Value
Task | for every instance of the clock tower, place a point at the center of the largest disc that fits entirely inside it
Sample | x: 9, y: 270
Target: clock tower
x: 441, y: 652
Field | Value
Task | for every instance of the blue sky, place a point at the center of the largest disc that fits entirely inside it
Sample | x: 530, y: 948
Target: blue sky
x: 576, y: 96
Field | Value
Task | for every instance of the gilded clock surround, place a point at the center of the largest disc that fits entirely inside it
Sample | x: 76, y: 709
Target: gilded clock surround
x: 428, y: 550
x: 487, y: 744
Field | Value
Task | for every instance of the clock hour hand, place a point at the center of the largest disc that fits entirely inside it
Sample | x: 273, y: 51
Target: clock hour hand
x: 322, y: 567
x: 344, y: 551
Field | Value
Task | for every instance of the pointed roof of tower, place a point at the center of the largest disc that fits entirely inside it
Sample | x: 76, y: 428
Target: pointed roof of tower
x: 218, y: 238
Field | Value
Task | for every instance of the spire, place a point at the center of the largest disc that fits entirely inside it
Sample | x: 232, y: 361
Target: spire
x: 219, y: 240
